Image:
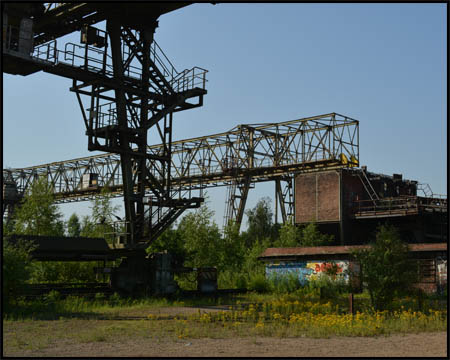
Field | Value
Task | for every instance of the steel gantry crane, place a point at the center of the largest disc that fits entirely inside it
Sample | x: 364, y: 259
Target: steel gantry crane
x: 128, y: 85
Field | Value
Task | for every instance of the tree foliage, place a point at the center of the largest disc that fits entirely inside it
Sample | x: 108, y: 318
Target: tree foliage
x: 171, y: 240
x: 289, y: 235
x: 311, y: 236
x: 37, y: 213
x: 62, y: 272
x: 16, y: 268
x: 74, y: 226
x: 232, y: 248
x: 201, y: 236
x: 260, y: 223
x: 102, y: 216
x: 385, y: 267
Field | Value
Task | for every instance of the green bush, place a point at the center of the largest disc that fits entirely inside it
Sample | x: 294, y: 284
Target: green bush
x: 52, y: 297
x: 328, y: 288
x: 284, y: 284
x: 386, y: 268
x: 15, y: 269
x: 63, y: 272
x: 258, y: 282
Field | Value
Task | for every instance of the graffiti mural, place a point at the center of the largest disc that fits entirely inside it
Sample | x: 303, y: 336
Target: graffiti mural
x: 310, y: 270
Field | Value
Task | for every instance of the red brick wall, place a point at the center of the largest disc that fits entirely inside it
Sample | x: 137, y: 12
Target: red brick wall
x: 353, y: 189
x: 305, y: 198
x: 317, y: 197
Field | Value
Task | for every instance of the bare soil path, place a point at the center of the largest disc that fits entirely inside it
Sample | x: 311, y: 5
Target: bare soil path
x: 416, y: 345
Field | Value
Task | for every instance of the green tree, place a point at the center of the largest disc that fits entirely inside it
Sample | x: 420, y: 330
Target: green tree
x: 74, y: 226
x: 385, y: 267
x: 16, y: 269
x: 171, y: 240
x: 201, y: 236
x: 103, y: 210
x: 290, y: 235
x: 232, y: 248
x: 87, y: 227
x: 37, y: 213
x: 260, y: 223
x: 102, y: 216
x: 311, y: 236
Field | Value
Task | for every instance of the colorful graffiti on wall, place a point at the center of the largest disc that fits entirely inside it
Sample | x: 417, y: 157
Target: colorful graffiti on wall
x: 310, y: 270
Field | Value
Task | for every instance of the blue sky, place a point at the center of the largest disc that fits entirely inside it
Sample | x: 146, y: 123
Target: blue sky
x: 383, y: 64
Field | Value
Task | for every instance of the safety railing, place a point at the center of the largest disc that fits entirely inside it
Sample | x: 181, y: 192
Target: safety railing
x: 398, y: 204
x: 159, y: 58
x: 98, y: 60
x: 47, y: 52
x: 103, y: 115
x: 437, y: 201
x: 386, y: 205
x: 117, y: 237
x: 88, y: 57
x: 189, y: 79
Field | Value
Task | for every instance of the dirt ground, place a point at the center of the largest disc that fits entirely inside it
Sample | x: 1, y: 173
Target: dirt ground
x: 410, y: 345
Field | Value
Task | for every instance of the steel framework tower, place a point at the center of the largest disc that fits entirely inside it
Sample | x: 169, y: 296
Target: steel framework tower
x: 128, y: 85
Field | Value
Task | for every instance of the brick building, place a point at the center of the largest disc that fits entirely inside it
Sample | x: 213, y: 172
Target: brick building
x: 350, y: 203
x: 309, y: 262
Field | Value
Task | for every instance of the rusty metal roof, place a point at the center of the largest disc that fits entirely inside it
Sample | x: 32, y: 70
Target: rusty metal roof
x: 332, y: 250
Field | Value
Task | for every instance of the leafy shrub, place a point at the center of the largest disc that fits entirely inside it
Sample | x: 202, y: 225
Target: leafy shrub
x: 328, y: 288
x: 285, y: 284
x: 385, y: 267
x: 15, y: 268
x: 258, y: 282
x: 52, y: 297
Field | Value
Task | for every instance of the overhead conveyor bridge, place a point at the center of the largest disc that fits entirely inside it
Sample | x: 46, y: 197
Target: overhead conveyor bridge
x: 238, y: 158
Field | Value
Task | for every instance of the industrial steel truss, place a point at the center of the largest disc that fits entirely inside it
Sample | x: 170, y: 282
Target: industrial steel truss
x: 125, y: 86
x: 238, y: 158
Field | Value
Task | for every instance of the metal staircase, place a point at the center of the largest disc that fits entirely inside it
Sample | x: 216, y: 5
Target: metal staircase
x: 368, y: 186
x: 426, y: 189
x: 131, y: 88
x: 237, y: 193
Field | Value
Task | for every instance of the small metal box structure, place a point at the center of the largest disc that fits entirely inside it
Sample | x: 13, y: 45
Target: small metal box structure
x: 10, y: 193
x: 163, y: 282
x: 89, y: 181
x: 207, y: 280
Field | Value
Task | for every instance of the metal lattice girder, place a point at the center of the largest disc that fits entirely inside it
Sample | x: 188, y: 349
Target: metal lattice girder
x: 264, y: 152
x: 284, y: 198
x: 236, y: 198
x: 128, y: 85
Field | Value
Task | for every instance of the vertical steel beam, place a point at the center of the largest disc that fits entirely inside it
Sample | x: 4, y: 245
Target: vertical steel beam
x: 146, y: 40
x: 113, y: 28
x: 237, y: 198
